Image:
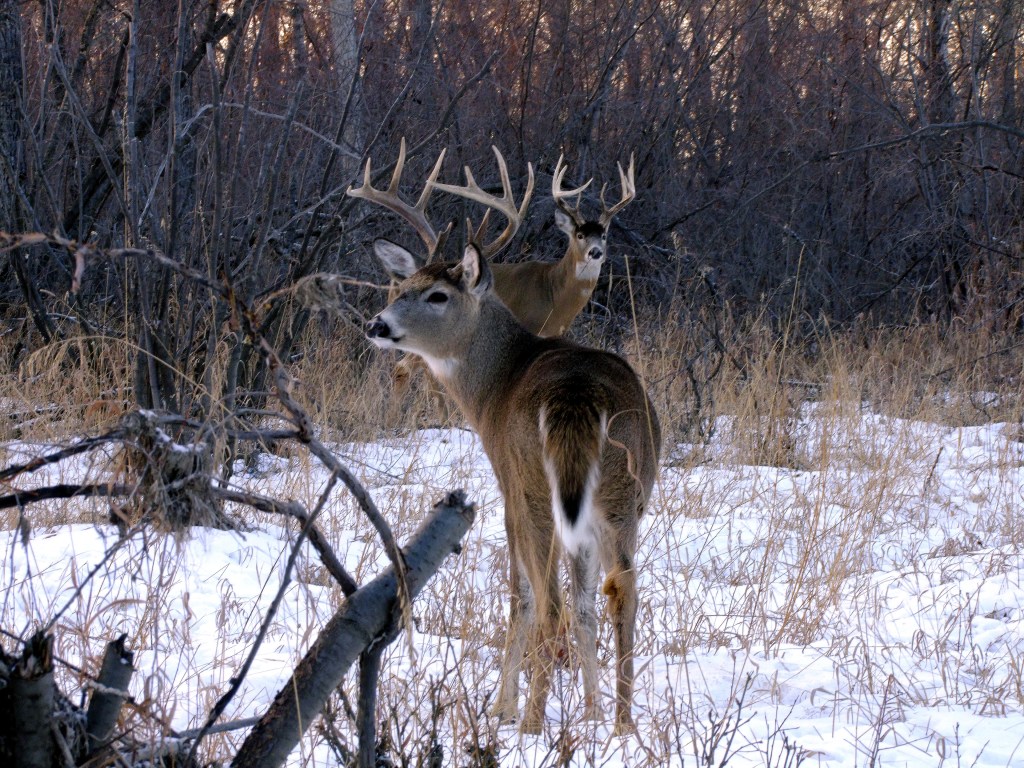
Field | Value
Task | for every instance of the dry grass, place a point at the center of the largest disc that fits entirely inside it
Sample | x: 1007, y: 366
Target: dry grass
x: 78, y: 385
x: 699, y: 368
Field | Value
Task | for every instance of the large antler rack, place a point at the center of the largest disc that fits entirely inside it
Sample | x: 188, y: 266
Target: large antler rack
x: 561, y: 196
x: 505, y: 205
x: 415, y: 215
x: 628, y: 193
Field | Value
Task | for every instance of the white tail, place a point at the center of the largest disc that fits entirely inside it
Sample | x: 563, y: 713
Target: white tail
x: 574, y: 442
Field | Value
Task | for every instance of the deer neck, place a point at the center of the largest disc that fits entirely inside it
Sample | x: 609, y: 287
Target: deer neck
x: 570, y: 291
x: 493, y: 355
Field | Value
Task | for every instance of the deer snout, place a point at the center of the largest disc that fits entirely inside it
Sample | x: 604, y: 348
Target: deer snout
x: 595, y: 252
x: 377, y: 329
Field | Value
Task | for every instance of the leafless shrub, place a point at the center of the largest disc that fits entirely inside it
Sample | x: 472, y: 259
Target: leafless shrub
x: 172, y: 478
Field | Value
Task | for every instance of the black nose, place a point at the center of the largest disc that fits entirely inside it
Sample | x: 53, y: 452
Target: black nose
x: 594, y: 253
x: 377, y: 329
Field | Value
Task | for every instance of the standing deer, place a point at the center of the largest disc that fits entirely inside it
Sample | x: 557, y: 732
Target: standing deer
x: 545, y: 296
x: 574, y: 442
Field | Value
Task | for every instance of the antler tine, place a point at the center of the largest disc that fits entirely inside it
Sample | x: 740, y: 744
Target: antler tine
x: 529, y: 190
x: 396, y: 175
x: 560, y: 195
x: 628, y: 193
x: 505, y: 205
x: 415, y: 215
x: 473, y: 235
x: 506, y: 185
x: 428, y: 188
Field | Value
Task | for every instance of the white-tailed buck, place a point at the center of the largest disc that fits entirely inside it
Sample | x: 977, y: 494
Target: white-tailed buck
x: 433, y: 241
x: 574, y: 442
x: 545, y: 296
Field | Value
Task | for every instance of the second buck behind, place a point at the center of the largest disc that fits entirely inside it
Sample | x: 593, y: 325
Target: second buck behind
x: 547, y: 296
x: 574, y: 442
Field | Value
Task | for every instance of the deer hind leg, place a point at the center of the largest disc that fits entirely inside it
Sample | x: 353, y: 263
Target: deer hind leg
x: 584, y: 574
x: 520, y: 618
x: 542, y: 567
x: 620, y: 587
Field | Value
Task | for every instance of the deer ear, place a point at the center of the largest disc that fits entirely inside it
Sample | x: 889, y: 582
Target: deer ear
x: 564, y: 222
x: 476, y: 272
x: 399, y: 263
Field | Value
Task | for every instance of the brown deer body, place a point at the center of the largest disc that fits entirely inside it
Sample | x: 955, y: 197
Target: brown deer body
x: 546, y: 296
x: 574, y: 442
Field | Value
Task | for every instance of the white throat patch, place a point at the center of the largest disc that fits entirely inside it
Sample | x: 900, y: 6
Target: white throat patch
x: 442, y: 367
x: 589, y: 269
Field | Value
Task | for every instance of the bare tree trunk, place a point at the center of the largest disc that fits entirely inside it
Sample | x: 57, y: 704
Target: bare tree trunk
x: 365, y: 618
x: 10, y: 120
x: 162, y: 355
x: 346, y: 67
x: 938, y: 77
x: 1007, y: 53
x: 421, y: 19
x: 107, y: 699
x: 30, y: 698
x: 12, y: 160
x: 942, y: 175
x: 366, y: 714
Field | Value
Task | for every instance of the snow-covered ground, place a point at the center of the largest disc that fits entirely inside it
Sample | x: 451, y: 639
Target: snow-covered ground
x: 862, y: 606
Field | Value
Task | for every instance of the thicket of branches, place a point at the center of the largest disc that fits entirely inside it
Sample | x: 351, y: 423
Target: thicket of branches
x: 848, y: 159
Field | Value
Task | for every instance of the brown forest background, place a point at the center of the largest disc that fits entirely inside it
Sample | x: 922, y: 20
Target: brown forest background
x: 841, y: 162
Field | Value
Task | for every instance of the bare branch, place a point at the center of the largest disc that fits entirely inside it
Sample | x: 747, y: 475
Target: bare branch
x: 294, y: 510
x: 366, y: 616
x: 82, y: 446
x: 64, y: 491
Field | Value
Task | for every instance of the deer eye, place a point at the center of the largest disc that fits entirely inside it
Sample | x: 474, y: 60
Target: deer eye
x: 579, y: 235
x: 437, y: 297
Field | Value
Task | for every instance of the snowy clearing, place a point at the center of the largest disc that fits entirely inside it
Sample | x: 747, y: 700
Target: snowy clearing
x: 862, y: 607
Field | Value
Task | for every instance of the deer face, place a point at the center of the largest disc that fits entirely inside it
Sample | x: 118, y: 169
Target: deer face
x: 587, y: 243
x: 435, y: 309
